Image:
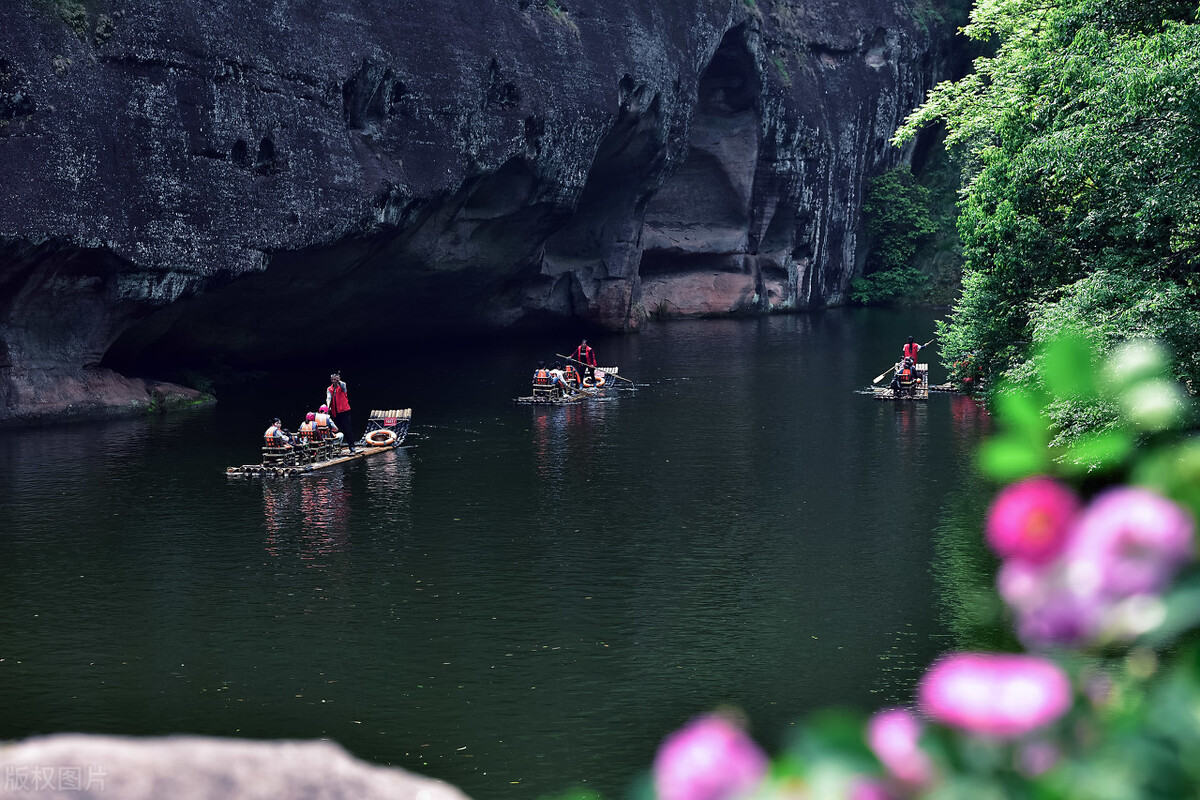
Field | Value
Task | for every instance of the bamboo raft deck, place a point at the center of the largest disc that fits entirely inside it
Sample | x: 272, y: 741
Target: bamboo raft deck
x: 312, y: 457
x: 887, y: 394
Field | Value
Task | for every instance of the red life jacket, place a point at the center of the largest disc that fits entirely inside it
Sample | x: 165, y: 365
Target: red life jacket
x: 339, y: 402
x: 910, y: 350
x: 542, y: 377
x: 586, y: 354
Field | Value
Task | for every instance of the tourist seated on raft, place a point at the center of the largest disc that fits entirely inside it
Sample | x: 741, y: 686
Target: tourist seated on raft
x: 308, y: 428
x: 905, y: 374
x: 276, y: 436
x: 326, y: 428
x: 558, y: 379
x: 571, y: 376
x: 541, y: 377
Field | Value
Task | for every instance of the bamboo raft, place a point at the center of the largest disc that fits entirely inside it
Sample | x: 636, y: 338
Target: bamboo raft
x: 314, y: 455
x: 553, y: 396
x: 919, y: 390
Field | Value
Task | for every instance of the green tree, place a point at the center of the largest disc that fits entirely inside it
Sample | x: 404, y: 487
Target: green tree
x: 898, y: 216
x: 1081, y: 136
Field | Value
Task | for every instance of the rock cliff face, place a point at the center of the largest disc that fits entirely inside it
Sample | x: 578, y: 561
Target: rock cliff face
x: 187, y: 181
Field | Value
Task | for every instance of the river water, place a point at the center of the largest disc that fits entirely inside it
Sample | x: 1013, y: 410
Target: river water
x: 524, y: 599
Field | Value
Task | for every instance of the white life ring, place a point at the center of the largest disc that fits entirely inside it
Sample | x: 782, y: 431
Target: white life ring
x: 380, y: 438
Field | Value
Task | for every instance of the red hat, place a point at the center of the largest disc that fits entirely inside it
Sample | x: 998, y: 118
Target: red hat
x: 323, y: 409
x: 310, y: 416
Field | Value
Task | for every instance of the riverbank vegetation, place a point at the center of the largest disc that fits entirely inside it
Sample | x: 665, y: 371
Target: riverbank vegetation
x: 898, y: 213
x: 1080, y: 138
x: 914, y: 256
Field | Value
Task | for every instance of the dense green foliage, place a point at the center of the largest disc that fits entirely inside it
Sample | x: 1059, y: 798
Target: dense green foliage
x: 897, y: 211
x: 1082, y: 205
x: 898, y: 214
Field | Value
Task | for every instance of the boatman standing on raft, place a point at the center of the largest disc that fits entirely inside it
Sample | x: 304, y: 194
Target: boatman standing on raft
x: 911, y: 349
x: 339, y: 405
x: 586, y: 356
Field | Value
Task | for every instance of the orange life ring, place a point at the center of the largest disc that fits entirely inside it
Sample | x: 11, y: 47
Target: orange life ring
x: 380, y: 438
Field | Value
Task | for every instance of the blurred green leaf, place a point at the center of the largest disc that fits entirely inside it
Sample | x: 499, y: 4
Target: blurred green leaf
x: 1102, y: 450
x: 577, y: 793
x: 1156, y: 405
x: 1067, y: 369
x: 835, y: 732
x: 1134, y: 361
x: 1173, y: 472
x: 1007, y: 458
x: 1183, y: 613
x: 1022, y: 414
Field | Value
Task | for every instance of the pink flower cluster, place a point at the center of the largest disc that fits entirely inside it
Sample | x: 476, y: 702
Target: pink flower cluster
x: 894, y: 735
x: 998, y: 695
x: 710, y: 758
x: 1082, y: 576
x: 995, y: 694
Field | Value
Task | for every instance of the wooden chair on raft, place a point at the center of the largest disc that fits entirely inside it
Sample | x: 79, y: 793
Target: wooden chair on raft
x: 543, y: 388
x: 317, y: 445
x: 278, y: 455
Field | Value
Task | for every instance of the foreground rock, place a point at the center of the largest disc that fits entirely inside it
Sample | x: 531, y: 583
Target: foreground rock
x: 196, y: 768
x: 198, y: 183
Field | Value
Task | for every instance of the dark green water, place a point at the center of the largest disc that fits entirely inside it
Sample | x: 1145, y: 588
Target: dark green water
x: 525, y: 600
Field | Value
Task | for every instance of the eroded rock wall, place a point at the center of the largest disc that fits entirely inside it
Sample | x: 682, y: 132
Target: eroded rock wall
x: 193, y: 181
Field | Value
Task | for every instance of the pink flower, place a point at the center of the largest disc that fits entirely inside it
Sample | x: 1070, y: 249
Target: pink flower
x: 1062, y: 618
x: 710, y: 758
x: 995, y: 694
x: 1048, y: 611
x: 1029, y: 520
x: 868, y: 789
x: 1023, y: 585
x: 1128, y: 541
x: 893, y: 735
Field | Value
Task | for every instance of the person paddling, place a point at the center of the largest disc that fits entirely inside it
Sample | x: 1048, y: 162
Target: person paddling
x: 911, y: 349
x: 339, y: 404
x: 586, y: 356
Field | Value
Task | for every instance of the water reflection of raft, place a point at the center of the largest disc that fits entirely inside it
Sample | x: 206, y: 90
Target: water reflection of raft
x: 552, y: 396
x: 386, y: 430
x: 884, y: 393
